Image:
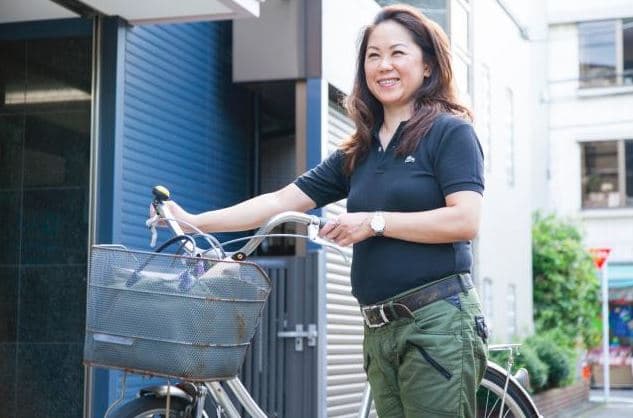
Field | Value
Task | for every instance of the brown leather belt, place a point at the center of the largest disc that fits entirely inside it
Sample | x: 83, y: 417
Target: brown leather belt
x: 381, y: 314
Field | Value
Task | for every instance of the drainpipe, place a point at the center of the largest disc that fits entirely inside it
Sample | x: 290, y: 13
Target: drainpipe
x: 522, y: 28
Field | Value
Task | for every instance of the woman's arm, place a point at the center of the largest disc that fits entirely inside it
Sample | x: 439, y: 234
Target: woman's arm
x: 457, y: 221
x: 248, y: 214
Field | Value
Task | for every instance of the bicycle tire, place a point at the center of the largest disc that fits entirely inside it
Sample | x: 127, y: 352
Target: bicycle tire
x: 152, y: 407
x: 517, y: 402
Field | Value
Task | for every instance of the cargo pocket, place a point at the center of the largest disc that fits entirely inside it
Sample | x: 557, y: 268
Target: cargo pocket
x: 437, y: 366
x: 430, y: 373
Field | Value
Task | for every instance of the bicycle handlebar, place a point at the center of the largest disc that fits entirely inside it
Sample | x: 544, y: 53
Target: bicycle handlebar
x: 314, y: 223
x: 311, y: 221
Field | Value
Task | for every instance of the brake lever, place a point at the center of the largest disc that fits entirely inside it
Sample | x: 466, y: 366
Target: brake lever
x: 151, y: 224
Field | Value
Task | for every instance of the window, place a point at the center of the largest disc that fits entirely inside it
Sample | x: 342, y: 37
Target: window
x: 512, y: 310
x: 461, y: 46
x: 436, y: 10
x: 606, y: 53
x: 484, y: 114
x: 509, y: 136
x: 487, y: 301
x: 607, y: 174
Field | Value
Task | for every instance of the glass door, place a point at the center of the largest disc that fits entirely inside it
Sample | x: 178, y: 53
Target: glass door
x: 45, y: 105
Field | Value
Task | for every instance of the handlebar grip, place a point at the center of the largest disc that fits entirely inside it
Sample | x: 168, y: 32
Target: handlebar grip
x: 161, y: 193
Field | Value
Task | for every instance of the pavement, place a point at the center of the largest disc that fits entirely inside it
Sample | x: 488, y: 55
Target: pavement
x: 620, y: 404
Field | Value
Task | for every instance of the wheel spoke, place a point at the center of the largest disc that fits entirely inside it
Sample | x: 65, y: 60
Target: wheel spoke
x: 503, y: 397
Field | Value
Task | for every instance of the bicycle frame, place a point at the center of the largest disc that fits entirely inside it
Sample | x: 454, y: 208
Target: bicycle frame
x: 196, y: 393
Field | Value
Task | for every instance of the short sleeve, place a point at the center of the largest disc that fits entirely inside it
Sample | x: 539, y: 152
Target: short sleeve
x: 459, y: 161
x: 325, y: 183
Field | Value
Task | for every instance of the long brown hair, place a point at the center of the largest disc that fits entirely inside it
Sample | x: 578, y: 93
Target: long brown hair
x: 437, y: 93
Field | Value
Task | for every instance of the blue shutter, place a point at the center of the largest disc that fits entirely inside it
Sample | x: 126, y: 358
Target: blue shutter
x: 183, y: 124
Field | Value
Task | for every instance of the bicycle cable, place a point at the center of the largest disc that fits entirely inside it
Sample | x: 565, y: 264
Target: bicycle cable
x: 306, y: 237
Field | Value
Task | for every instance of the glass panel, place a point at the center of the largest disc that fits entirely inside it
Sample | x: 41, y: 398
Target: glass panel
x: 600, y: 188
x: 488, y: 302
x: 628, y: 162
x: 57, y: 75
x: 597, y: 53
x: 459, y: 26
x: 627, y: 50
x: 512, y: 311
x: 461, y: 70
x: 436, y: 10
x: 484, y: 114
x: 8, y: 354
x: 8, y: 307
x: 509, y: 134
x: 45, y: 108
x: 12, y: 75
x: 57, y: 149
x: 11, y: 148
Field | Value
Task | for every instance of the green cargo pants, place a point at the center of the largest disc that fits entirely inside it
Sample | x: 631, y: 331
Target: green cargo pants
x: 430, y: 365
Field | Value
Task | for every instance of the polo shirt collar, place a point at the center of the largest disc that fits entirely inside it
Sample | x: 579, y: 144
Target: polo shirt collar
x: 396, y: 135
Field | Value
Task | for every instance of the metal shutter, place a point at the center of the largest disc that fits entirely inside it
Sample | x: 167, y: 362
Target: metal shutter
x: 182, y: 124
x: 345, y: 375
x: 179, y: 126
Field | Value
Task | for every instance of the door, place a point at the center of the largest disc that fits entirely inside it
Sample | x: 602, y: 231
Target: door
x: 45, y: 117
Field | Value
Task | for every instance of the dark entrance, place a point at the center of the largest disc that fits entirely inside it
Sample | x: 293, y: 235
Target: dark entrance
x: 45, y: 106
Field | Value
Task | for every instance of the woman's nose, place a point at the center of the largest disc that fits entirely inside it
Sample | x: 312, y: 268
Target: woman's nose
x: 385, y: 64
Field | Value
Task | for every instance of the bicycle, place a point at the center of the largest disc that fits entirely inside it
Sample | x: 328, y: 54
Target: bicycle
x: 131, y: 284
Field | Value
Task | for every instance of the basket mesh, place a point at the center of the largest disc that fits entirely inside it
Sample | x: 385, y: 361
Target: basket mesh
x: 169, y: 315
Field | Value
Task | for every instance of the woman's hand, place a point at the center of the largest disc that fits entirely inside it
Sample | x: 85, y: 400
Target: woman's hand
x: 173, y: 210
x: 348, y: 228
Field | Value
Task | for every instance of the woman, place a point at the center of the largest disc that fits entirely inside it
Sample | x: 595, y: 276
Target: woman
x: 412, y: 174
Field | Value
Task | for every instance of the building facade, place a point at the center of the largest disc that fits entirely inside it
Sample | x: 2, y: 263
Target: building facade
x: 590, y: 141
x: 498, y: 59
x: 102, y: 101
x: 93, y: 111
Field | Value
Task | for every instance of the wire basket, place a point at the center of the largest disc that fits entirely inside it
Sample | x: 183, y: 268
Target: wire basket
x: 167, y: 315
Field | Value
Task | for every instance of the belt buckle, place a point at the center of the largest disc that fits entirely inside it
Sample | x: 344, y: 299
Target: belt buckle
x: 381, y: 309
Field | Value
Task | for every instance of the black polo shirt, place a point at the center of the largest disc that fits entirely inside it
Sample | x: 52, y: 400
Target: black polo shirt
x: 448, y: 159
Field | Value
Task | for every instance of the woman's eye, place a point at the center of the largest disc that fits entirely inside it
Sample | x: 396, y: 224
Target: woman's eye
x: 372, y: 56
x: 398, y: 53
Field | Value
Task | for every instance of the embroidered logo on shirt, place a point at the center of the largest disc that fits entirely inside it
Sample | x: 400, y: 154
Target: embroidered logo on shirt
x: 409, y: 159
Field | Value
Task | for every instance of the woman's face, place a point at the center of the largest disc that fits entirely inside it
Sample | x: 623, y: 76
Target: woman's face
x: 394, y: 68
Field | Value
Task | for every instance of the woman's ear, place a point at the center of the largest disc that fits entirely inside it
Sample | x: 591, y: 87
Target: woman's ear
x: 427, y: 70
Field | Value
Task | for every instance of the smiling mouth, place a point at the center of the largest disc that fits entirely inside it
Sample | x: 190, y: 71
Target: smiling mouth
x: 388, y: 82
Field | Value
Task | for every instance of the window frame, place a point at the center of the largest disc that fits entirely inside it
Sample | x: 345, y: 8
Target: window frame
x: 621, y: 173
x: 618, y: 44
x: 463, y: 53
x: 511, y: 300
x: 487, y: 299
x: 510, y: 131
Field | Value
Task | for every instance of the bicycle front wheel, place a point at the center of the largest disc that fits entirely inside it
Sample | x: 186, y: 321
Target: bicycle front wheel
x: 491, y: 401
x: 151, y: 407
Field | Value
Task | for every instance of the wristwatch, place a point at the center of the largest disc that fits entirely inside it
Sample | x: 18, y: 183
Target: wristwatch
x: 377, y: 224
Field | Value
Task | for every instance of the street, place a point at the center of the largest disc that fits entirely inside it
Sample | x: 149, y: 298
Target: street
x: 620, y: 404
x: 610, y: 410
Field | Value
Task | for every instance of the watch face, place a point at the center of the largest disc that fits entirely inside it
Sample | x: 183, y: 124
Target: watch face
x: 377, y: 223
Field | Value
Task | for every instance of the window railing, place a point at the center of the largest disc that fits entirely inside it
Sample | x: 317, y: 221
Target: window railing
x: 606, y: 78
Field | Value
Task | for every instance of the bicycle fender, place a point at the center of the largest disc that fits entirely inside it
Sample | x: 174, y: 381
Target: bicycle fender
x: 161, y: 391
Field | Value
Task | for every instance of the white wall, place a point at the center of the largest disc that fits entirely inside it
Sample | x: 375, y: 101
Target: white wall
x: 505, y: 234
x: 270, y: 47
x: 342, y: 25
x: 504, y: 247
x: 25, y: 10
x: 577, y: 115
x: 560, y: 11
